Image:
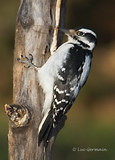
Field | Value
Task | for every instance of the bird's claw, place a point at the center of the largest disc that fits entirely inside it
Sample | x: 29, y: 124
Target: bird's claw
x: 26, y: 60
x: 31, y: 57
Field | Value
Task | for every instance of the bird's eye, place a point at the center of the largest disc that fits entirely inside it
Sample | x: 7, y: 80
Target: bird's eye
x: 79, y: 33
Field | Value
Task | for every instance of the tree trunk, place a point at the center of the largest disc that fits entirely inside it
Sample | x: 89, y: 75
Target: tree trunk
x: 36, y: 33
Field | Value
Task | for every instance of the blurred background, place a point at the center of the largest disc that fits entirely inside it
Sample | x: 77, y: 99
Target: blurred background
x: 91, y: 121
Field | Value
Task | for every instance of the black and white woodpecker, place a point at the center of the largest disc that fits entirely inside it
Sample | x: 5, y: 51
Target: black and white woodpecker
x: 63, y: 75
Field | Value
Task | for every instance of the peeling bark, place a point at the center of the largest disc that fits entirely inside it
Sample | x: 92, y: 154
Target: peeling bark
x: 36, y: 33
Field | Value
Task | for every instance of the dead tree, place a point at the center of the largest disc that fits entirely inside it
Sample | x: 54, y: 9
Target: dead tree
x: 36, y: 33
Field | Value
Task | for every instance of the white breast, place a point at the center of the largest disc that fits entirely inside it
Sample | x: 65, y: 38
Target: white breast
x: 86, y: 69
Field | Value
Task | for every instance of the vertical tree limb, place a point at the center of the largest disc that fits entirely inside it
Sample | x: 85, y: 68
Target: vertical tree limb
x: 36, y: 33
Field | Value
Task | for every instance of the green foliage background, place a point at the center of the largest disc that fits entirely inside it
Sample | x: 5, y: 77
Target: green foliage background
x: 91, y: 121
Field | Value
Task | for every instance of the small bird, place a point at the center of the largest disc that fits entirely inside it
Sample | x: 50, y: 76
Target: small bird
x: 63, y: 75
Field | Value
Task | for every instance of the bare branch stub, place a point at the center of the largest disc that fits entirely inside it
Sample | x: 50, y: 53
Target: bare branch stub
x: 19, y: 116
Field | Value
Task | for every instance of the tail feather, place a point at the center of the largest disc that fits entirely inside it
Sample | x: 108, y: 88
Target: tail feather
x: 45, y: 128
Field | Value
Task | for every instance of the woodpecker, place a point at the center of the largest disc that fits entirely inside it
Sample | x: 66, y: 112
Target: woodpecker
x: 63, y: 75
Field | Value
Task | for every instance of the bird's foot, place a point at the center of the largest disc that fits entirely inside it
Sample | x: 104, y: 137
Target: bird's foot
x: 27, y: 61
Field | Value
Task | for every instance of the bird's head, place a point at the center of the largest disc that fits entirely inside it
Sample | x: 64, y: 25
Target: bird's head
x: 84, y: 37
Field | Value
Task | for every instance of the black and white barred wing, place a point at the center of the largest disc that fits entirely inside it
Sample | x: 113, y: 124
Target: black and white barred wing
x: 60, y: 105
x: 62, y: 101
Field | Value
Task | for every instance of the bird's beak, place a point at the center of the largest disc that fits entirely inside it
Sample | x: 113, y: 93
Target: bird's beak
x: 68, y: 32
